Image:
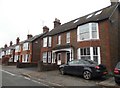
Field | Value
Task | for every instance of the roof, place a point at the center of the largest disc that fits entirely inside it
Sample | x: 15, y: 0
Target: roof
x: 96, y: 16
x: 33, y: 38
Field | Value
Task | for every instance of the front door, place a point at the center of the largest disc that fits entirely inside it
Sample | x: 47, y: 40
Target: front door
x: 59, y: 59
x: 68, y: 56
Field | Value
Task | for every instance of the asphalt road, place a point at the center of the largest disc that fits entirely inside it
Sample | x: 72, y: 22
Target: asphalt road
x: 9, y: 79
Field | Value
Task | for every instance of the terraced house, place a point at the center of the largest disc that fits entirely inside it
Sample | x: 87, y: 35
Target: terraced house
x: 28, y: 51
x: 95, y: 36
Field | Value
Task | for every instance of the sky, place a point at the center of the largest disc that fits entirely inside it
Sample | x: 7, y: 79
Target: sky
x: 21, y: 17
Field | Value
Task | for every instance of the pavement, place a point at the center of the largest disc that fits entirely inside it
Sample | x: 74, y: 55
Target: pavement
x: 56, y: 79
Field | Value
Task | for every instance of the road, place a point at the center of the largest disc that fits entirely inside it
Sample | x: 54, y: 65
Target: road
x: 10, y: 79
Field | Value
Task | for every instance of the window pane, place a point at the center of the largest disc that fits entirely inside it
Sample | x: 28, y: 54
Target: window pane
x: 95, y: 51
x: 45, y: 42
x: 88, y: 51
x: 95, y: 58
x: 49, y: 57
x: 68, y: 37
x: 44, y: 57
x: 81, y: 52
x: 94, y: 34
x: 84, y: 32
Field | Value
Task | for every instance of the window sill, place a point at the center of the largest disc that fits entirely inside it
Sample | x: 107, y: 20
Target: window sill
x: 88, y: 40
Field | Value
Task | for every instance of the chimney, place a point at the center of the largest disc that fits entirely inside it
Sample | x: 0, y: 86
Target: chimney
x: 45, y: 29
x: 17, y: 40
x: 113, y: 2
x: 5, y: 46
x: 29, y: 36
x: 10, y: 43
x: 56, y: 23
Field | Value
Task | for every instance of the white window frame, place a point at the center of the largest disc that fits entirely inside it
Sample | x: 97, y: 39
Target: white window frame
x: 25, y: 46
x: 53, y: 57
x: 91, y: 54
x: 49, y: 57
x: 17, y: 48
x: 25, y: 58
x: 16, y: 57
x: 68, y: 37
x: 8, y: 52
x: 50, y: 42
x: 45, y: 42
x: 90, y: 31
x: 44, y: 57
x: 59, y: 39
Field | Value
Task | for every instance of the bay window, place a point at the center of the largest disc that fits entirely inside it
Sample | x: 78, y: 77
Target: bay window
x: 17, y: 48
x: 25, y: 58
x: 87, y: 32
x: 92, y: 53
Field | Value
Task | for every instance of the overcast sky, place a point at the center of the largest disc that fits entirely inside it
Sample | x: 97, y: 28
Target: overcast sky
x: 20, y: 17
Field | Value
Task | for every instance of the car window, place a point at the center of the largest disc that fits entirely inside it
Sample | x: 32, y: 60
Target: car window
x: 87, y: 61
x: 118, y: 65
x: 75, y: 62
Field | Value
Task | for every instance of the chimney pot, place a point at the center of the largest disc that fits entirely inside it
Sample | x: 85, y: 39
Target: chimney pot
x: 113, y: 2
x: 45, y: 29
x: 5, y: 46
x: 11, y: 43
x: 17, y: 40
x: 29, y: 36
x: 56, y: 23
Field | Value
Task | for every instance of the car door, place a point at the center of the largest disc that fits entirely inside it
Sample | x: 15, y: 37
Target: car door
x: 70, y: 68
x: 79, y: 67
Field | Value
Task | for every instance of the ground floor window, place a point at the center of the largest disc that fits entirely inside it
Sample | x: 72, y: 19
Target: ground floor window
x: 16, y: 58
x: 25, y: 58
x: 53, y: 57
x: 45, y: 57
x: 49, y: 57
x: 92, y: 53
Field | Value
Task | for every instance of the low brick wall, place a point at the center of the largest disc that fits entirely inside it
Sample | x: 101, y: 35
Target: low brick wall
x: 46, y: 67
x: 11, y: 63
x: 25, y: 65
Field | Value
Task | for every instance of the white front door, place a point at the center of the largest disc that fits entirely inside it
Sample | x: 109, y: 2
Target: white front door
x: 59, y: 59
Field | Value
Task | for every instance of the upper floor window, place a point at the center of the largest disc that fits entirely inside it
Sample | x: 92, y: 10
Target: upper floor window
x: 50, y: 41
x: 45, y: 42
x: 8, y: 52
x: 17, y: 48
x: 87, y: 31
x: 59, y: 39
x: 26, y: 46
x: 68, y: 37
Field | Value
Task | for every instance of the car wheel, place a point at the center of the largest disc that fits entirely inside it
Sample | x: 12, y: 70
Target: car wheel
x: 62, y: 71
x: 117, y: 82
x: 87, y: 75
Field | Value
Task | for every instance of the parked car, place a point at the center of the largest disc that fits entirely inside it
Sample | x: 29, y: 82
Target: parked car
x: 84, y: 67
x: 117, y: 73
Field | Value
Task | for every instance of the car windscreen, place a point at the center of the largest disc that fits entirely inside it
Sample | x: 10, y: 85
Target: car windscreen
x: 86, y: 61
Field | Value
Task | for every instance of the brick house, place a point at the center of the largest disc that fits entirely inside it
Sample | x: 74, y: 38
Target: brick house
x: 28, y: 51
x: 7, y: 53
x: 95, y: 36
